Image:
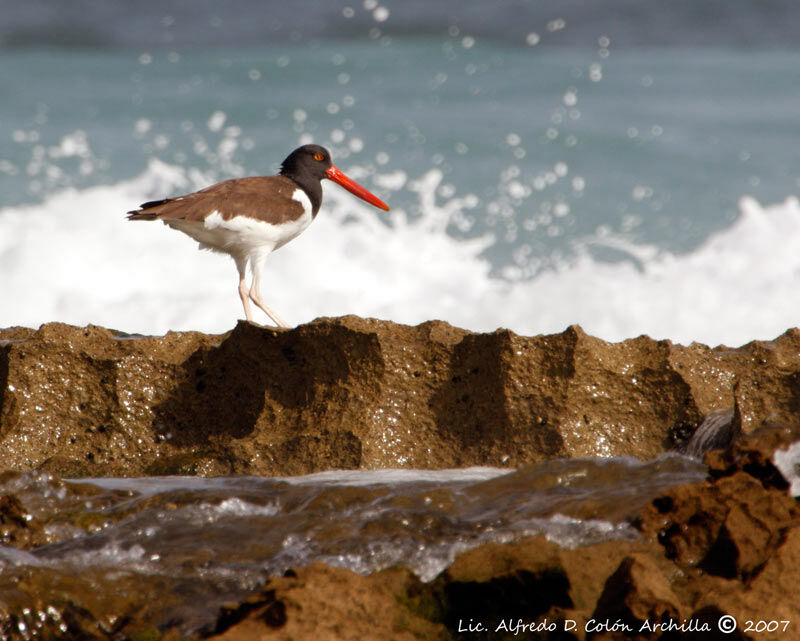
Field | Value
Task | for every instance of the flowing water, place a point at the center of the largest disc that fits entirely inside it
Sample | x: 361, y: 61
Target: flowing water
x: 211, y: 541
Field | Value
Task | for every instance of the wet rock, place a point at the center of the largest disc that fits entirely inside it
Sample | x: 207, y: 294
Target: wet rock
x: 638, y: 594
x: 76, y: 400
x: 320, y: 602
x: 731, y: 525
x: 755, y: 454
x: 728, y: 527
x: 767, y: 390
x: 18, y: 527
x: 727, y: 546
x: 533, y: 582
x: 352, y: 393
x: 44, y: 604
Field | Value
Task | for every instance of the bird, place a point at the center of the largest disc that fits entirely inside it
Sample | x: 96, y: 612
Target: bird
x: 249, y: 218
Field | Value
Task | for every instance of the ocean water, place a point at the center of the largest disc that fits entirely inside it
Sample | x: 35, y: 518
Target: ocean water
x: 546, y: 163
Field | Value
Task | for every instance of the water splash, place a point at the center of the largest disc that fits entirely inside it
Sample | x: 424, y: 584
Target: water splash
x: 739, y: 285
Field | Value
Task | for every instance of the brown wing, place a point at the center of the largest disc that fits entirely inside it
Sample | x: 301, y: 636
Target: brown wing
x: 263, y: 197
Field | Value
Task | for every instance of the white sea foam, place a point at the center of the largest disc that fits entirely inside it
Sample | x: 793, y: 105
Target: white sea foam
x: 398, y: 476
x: 788, y: 462
x: 74, y: 258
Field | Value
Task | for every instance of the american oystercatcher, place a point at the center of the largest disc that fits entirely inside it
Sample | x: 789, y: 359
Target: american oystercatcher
x: 249, y: 218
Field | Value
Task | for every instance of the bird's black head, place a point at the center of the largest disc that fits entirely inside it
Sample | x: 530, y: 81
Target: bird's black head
x: 306, y: 162
x: 309, y: 164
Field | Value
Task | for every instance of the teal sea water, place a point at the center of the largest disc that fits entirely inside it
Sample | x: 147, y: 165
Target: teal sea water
x: 663, y: 142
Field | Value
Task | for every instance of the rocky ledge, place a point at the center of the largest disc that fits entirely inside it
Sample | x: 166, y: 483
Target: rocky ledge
x: 353, y: 393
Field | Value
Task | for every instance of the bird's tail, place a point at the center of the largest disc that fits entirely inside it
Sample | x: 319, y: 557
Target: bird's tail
x: 143, y: 214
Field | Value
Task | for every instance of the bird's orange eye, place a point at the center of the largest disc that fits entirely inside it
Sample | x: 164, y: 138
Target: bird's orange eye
x: 318, y: 157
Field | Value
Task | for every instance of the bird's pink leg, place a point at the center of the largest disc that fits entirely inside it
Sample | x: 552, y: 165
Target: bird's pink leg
x: 255, y: 296
x: 241, y: 265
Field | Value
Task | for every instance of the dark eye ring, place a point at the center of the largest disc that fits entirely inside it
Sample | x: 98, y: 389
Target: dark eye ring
x: 318, y: 157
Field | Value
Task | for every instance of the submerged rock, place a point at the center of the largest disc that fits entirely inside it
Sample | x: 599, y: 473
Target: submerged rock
x: 352, y: 393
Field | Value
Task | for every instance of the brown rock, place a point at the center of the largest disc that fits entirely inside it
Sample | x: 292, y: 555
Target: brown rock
x: 76, y: 400
x: 490, y: 592
x: 529, y: 582
x: 18, y: 527
x: 360, y: 393
x: 320, y: 602
x: 729, y: 527
x: 39, y: 603
x: 770, y: 596
x: 638, y: 595
x: 729, y: 546
x: 753, y: 454
x: 766, y: 391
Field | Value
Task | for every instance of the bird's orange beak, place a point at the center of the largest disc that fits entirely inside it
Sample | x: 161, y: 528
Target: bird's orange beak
x: 354, y: 188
